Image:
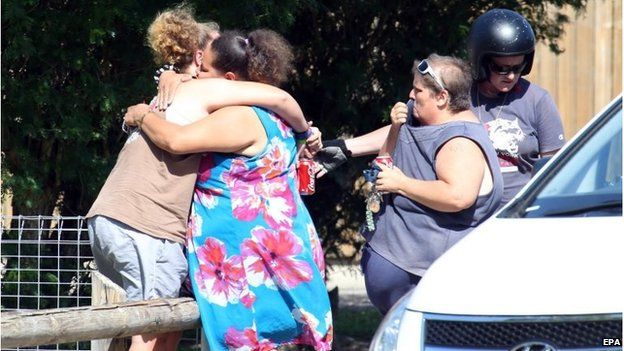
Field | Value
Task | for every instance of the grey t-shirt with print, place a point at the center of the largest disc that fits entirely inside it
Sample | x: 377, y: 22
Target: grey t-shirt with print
x: 521, y: 124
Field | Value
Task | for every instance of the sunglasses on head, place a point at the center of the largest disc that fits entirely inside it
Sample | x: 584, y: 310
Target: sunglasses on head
x: 505, y: 70
x: 424, y: 68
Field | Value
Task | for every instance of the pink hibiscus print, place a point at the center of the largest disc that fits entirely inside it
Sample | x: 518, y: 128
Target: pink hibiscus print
x: 247, y: 340
x: 209, y: 198
x: 317, y: 249
x: 205, y: 168
x: 292, y: 171
x: 251, y: 196
x: 270, y: 258
x: 284, y: 128
x: 274, y: 162
x: 238, y: 171
x: 193, y: 228
x: 311, y: 335
x: 221, y: 280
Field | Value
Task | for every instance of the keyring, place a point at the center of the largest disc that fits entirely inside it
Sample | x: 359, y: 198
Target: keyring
x: 127, y: 129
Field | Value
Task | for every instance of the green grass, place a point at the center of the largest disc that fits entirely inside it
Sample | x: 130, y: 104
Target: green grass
x: 357, y: 323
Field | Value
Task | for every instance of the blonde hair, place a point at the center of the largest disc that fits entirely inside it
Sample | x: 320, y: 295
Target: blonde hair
x: 208, y: 31
x: 175, y: 35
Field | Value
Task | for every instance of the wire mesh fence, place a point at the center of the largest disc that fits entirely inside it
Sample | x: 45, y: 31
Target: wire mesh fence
x: 46, y: 262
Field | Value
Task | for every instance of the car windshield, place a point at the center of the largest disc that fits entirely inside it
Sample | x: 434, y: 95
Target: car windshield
x: 585, y: 181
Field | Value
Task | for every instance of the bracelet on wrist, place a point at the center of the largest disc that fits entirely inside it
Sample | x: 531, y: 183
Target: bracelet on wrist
x: 139, y: 121
x: 303, y: 135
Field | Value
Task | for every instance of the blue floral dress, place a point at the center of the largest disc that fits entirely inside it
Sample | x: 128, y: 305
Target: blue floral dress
x: 255, y: 259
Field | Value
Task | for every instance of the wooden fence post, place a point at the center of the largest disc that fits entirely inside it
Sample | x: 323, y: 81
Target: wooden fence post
x: 24, y: 328
x: 104, y: 292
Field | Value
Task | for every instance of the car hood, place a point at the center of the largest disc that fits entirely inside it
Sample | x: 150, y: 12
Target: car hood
x: 543, y: 266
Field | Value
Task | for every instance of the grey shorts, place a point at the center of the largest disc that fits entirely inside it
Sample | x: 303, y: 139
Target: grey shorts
x: 146, y: 267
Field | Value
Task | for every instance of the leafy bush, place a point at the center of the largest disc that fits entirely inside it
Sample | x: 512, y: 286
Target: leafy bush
x: 70, y: 67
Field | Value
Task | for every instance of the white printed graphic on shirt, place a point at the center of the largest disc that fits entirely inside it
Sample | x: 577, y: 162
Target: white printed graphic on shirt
x: 506, y: 136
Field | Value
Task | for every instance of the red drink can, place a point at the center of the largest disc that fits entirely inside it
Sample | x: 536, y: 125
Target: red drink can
x: 385, y: 160
x: 305, y: 176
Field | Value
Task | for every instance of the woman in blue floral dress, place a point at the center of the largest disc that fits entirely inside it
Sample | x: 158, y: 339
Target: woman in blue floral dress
x: 255, y: 259
x: 254, y: 255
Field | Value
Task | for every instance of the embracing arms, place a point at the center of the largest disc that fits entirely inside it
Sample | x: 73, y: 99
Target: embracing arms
x: 215, y: 93
x: 233, y: 129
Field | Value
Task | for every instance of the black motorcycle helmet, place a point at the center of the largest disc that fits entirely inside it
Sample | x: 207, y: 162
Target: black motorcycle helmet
x: 499, y: 32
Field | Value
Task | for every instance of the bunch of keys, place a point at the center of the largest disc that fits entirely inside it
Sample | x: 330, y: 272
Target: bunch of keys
x: 373, y: 197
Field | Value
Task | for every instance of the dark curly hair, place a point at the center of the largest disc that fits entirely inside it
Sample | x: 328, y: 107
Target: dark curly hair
x: 263, y: 56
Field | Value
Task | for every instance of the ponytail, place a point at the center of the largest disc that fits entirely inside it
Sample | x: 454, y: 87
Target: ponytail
x: 263, y: 56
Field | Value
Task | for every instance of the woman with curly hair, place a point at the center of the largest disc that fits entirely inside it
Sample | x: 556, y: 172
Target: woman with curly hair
x: 137, y: 229
x: 255, y: 258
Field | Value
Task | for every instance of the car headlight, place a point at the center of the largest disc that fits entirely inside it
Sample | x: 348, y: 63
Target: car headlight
x: 387, y: 335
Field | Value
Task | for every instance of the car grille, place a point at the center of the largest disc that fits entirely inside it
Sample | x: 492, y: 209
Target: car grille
x: 561, y: 333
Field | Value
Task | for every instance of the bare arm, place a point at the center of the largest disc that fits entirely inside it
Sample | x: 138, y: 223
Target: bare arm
x: 460, y: 169
x: 398, y: 116
x: 390, y: 144
x: 368, y: 144
x: 231, y: 129
x: 215, y: 93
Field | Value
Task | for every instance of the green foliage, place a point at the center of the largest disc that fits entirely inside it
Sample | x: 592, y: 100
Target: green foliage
x: 357, y: 323
x: 354, y: 62
x: 70, y: 67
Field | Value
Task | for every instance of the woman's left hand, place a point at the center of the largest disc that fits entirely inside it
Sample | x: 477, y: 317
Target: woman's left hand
x: 314, y: 142
x: 135, y: 114
x: 390, y: 179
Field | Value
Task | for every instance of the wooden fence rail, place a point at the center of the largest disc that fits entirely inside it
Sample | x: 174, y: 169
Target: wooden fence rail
x: 57, y: 326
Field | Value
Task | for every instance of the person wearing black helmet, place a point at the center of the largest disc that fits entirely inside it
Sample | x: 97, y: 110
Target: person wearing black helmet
x: 522, y: 119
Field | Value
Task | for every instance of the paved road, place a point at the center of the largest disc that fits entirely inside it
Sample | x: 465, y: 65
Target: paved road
x: 352, y: 295
x: 350, y: 283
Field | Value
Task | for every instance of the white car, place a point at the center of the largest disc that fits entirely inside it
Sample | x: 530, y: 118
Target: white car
x: 545, y: 273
